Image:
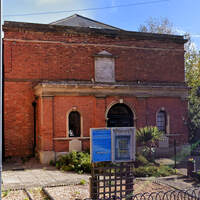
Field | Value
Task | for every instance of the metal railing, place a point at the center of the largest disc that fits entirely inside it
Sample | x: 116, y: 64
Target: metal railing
x: 189, y: 194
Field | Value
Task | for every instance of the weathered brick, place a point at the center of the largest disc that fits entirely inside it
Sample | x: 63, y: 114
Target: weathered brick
x: 31, y: 56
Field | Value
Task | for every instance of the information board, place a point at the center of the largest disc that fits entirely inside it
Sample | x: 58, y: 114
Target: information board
x: 100, y: 145
x: 123, y: 144
x: 115, y: 144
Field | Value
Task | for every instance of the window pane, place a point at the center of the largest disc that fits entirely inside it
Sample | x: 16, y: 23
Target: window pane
x: 74, y: 124
x: 161, y: 121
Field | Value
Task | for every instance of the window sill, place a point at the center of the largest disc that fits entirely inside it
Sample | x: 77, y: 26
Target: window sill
x: 72, y: 138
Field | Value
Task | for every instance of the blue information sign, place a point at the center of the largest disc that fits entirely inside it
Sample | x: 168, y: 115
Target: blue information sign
x: 101, y: 145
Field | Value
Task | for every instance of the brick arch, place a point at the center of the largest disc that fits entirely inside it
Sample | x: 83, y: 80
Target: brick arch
x: 125, y: 105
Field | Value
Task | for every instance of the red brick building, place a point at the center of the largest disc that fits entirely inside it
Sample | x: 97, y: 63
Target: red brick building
x: 60, y: 81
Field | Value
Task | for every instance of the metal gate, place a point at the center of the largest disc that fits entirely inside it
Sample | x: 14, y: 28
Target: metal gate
x: 112, y: 182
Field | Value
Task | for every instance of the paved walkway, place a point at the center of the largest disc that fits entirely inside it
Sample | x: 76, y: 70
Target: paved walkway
x: 179, y: 182
x: 39, y: 177
x: 17, y: 175
x: 14, y: 176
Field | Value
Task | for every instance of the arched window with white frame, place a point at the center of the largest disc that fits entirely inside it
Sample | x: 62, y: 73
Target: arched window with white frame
x: 74, y: 124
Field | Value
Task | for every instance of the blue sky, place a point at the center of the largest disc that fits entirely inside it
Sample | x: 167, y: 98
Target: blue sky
x: 184, y: 14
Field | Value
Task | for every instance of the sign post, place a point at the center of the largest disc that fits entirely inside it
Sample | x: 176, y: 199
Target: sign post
x: 114, y: 149
x: 1, y: 95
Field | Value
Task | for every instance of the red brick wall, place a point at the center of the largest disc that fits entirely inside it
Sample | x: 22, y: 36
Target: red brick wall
x: 61, y: 146
x: 18, y: 118
x: 93, y: 111
x: 30, y: 57
x: 63, y: 106
x: 61, y: 61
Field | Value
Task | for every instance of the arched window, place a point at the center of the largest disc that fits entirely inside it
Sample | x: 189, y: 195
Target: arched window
x: 161, y: 121
x: 74, y: 122
x: 120, y: 115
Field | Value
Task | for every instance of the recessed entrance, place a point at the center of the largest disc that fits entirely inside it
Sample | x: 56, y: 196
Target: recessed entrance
x: 120, y: 115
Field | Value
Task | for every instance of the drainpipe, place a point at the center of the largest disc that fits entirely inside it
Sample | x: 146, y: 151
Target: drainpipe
x: 34, y: 104
x: 2, y: 99
x: 53, y: 108
x: 147, y: 111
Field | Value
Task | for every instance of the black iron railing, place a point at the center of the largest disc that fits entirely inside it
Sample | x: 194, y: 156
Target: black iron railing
x: 189, y: 194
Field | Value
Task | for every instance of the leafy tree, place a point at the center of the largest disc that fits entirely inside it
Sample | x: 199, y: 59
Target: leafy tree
x: 192, y: 75
x: 157, y: 25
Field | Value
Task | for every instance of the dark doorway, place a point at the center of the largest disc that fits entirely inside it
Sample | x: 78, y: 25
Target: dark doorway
x: 120, y: 115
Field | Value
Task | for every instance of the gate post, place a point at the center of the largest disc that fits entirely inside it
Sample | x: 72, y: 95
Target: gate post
x: 129, y: 182
x: 93, y: 184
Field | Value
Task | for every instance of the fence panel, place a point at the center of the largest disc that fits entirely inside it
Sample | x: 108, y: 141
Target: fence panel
x: 189, y: 194
x: 112, y: 182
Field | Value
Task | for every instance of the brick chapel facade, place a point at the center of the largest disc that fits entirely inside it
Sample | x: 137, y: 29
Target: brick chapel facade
x: 60, y: 81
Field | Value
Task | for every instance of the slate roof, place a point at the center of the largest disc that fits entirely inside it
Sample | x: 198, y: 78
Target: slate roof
x: 81, y: 21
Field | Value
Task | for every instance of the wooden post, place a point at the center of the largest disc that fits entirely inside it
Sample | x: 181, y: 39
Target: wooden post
x: 93, y: 184
x: 129, y: 182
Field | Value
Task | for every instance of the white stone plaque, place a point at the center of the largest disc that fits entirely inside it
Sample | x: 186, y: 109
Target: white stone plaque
x: 104, y: 69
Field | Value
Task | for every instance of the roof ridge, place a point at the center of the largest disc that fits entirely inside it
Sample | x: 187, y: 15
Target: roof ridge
x: 60, y: 20
x: 83, y: 17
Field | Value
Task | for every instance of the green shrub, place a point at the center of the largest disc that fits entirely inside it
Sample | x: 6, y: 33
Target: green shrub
x: 145, y: 171
x: 140, y: 160
x: 52, y: 163
x: 148, y: 137
x: 75, y: 161
x: 157, y: 171
x: 165, y: 171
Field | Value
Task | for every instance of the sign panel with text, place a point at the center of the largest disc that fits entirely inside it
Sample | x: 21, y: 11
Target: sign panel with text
x: 123, y: 144
x: 113, y: 144
x: 101, y: 144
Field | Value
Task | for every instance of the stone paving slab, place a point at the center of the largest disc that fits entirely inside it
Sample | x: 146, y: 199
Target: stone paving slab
x: 179, y: 182
x: 39, y: 177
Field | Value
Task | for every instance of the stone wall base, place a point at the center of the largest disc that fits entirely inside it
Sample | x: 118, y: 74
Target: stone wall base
x: 46, y: 156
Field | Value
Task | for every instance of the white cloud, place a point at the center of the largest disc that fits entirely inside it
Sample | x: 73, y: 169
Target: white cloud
x: 195, y: 35
x: 50, y: 2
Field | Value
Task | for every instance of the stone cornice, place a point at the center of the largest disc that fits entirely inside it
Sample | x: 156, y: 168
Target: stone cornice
x: 91, y: 89
x: 24, y: 26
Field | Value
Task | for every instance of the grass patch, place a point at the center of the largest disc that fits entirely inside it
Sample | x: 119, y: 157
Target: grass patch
x: 83, y: 182
x: 5, y: 193
x: 145, y: 168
